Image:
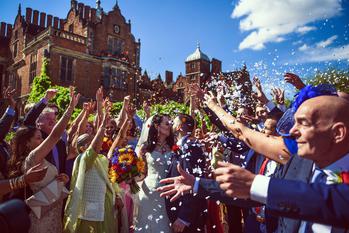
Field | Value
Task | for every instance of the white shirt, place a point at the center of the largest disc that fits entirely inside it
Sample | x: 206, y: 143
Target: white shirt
x: 259, y: 189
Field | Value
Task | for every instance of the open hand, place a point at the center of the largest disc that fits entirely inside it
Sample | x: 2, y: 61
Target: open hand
x: 210, y: 99
x: 278, y: 95
x: 50, y: 94
x: 295, y: 80
x: 74, y: 99
x: 9, y: 96
x: 178, y: 185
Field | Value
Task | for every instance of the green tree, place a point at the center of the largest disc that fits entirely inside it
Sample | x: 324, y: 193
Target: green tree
x: 40, y: 84
x: 336, y: 77
x: 43, y: 82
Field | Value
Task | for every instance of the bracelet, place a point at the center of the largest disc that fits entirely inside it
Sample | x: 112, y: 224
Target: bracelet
x: 21, y: 182
x: 11, y: 184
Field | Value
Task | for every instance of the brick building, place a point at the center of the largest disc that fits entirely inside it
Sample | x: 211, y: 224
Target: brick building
x: 89, y: 48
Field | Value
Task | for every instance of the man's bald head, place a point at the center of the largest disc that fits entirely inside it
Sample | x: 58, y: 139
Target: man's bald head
x: 322, y: 129
x: 329, y: 108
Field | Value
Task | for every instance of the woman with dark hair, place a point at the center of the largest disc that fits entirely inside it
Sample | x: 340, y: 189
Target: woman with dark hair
x: 155, y: 146
x: 29, y: 149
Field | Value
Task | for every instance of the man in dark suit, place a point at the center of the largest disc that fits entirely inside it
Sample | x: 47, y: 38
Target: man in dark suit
x: 44, y: 118
x: 187, y: 214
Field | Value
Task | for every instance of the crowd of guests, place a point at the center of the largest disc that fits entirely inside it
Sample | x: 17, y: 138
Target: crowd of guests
x: 266, y: 167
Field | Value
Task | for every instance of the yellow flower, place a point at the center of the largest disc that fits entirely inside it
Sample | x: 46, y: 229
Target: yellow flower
x: 126, y: 158
x: 141, y: 166
x: 113, y: 176
x: 122, y: 150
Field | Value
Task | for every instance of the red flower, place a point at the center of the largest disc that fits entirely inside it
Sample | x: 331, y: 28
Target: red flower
x: 345, y: 177
x: 175, y: 148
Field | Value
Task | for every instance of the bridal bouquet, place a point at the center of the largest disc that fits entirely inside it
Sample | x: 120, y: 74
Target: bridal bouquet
x: 125, y: 166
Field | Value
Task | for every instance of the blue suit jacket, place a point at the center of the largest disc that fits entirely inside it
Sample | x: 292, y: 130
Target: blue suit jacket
x: 296, y: 169
x: 327, y: 204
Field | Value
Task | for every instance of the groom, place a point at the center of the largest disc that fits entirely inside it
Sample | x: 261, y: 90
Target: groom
x: 187, y: 214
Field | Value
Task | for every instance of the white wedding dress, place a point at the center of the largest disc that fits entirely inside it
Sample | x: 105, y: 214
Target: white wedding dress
x: 152, y: 216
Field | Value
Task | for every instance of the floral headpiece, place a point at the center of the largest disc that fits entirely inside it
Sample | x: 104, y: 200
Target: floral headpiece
x: 309, y: 92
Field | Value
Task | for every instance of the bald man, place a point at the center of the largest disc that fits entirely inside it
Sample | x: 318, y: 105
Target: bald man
x: 322, y: 133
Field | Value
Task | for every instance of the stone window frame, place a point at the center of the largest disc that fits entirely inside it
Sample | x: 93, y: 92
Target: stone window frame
x: 117, y: 81
x: 33, y: 66
x: 116, y: 42
x: 65, y: 69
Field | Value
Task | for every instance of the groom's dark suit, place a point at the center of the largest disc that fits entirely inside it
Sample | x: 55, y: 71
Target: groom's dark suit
x: 189, y: 208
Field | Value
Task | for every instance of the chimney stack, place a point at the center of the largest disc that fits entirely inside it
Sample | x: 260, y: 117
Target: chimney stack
x: 169, y: 77
x: 55, y: 22
x: 35, y: 17
x: 9, y: 30
x: 28, y: 15
x: 42, y: 19
x: 87, y: 12
x: 2, y: 29
x: 81, y: 9
x: 49, y: 20
x: 61, y: 24
x: 93, y: 14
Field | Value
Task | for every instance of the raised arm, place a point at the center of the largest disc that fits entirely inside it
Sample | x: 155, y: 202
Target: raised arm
x: 9, y: 115
x: 34, y: 113
x: 269, y: 146
x: 122, y: 115
x: 260, y: 94
x: 99, y: 101
x: 46, y: 146
x: 97, y: 141
x: 121, y: 135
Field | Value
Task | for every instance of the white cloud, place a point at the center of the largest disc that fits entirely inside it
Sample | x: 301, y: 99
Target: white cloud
x: 305, y: 29
x: 325, y: 43
x: 315, y: 54
x: 271, y: 21
x: 304, y: 47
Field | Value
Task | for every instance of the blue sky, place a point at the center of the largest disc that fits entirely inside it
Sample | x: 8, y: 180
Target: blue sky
x: 271, y: 37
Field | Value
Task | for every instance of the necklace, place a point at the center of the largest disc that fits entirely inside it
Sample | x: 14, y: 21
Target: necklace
x: 162, y: 147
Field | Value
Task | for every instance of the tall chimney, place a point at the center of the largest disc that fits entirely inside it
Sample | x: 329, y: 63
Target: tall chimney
x: 2, y: 29
x: 42, y: 19
x: 81, y: 9
x: 35, y: 17
x: 87, y: 12
x: 49, y: 20
x: 28, y: 15
x: 168, y: 77
x: 55, y: 22
x: 61, y: 24
x: 93, y: 14
x: 9, y: 30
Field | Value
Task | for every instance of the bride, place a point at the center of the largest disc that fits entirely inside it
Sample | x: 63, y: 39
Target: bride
x: 155, y: 146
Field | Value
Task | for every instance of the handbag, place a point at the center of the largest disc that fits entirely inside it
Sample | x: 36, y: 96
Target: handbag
x: 41, y: 201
